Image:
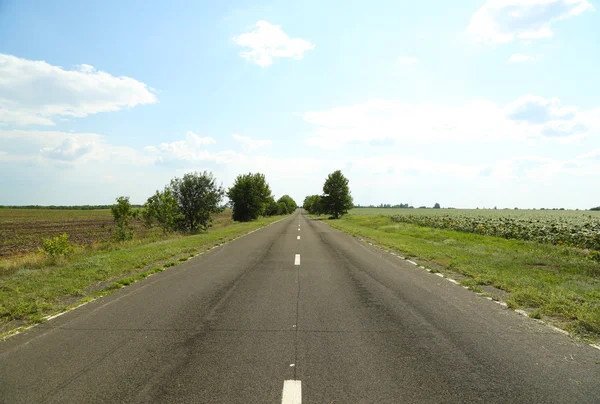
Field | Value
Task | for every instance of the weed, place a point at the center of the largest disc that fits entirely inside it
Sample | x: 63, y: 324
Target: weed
x: 536, y: 314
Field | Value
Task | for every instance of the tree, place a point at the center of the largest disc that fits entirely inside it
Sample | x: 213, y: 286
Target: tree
x: 336, y: 199
x: 271, y: 209
x: 290, y: 204
x: 250, y: 197
x: 312, y: 204
x: 198, y: 197
x: 436, y: 206
x: 163, y: 208
x: 122, y: 215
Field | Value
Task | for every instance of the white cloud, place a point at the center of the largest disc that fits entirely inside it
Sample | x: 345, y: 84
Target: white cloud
x: 267, y: 42
x: 503, y: 21
x: 407, y: 60
x: 529, y: 117
x: 519, y: 58
x: 70, y: 149
x: 38, y: 147
x: 189, y: 150
x: 248, y: 144
x: 536, y: 110
x: 36, y: 92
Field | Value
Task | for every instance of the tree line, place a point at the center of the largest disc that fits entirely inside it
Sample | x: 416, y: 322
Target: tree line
x: 188, y: 204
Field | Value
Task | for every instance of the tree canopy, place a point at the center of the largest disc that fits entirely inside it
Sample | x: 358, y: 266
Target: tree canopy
x: 198, y: 196
x: 289, y: 205
x: 250, y: 197
x: 336, y: 199
x: 312, y: 204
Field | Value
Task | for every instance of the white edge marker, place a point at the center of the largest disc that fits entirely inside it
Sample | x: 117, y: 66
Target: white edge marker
x: 297, y: 259
x: 292, y: 392
x: 298, y: 238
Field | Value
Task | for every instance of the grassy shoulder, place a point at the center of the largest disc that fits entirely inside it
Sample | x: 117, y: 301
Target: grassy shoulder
x: 30, y: 293
x: 558, y: 284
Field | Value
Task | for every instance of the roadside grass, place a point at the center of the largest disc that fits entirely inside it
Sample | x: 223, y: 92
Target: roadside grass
x: 30, y: 293
x: 557, y: 284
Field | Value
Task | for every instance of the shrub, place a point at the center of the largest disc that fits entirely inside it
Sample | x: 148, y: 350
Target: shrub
x: 57, y: 246
x: 122, y: 214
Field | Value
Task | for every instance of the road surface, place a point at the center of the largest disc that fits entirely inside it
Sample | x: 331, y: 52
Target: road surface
x: 296, y: 310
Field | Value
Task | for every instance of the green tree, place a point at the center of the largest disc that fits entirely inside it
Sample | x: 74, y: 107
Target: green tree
x: 313, y: 204
x: 122, y: 215
x: 436, y: 206
x: 290, y: 204
x: 250, y: 197
x: 282, y: 208
x: 198, y: 197
x: 336, y: 199
x: 271, y: 209
x: 162, y: 207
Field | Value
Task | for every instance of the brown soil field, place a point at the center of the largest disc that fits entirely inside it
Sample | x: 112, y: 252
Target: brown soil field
x: 22, y: 230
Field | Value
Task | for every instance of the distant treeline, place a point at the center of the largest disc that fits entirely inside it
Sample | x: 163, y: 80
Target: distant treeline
x: 61, y: 207
x: 386, y: 205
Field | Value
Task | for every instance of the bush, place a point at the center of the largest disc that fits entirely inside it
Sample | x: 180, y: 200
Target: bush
x: 250, y: 197
x: 57, y: 246
x: 122, y: 214
x: 198, y: 197
x: 162, y: 208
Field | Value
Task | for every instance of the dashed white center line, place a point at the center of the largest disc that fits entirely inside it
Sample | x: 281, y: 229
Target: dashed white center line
x: 297, y: 259
x: 298, y: 228
x: 292, y: 392
x: 298, y: 237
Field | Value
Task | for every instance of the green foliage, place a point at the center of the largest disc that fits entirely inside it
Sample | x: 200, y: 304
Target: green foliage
x: 336, y: 199
x: 57, y: 246
x: 313, y: 204
x: 597, y: 208
x: 122, y: 215
x: 162, y: 208
x: 289, y: 205
x: 436, y: 206
x: 272, y: 209
x: 198, y: 196
x: 250, y: 197
x: 281, y: 208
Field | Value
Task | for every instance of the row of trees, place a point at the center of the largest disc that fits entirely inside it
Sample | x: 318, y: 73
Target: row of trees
x: 250, y: 197
x: 335, y: 200
x: 400, y: 206
x: 188, y: 204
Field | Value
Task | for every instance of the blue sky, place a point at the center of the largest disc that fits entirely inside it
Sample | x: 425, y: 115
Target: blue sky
x: 469, y: 104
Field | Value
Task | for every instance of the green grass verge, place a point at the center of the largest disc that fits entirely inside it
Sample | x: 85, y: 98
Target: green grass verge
x: 27, y: 295
x: 558, y: 284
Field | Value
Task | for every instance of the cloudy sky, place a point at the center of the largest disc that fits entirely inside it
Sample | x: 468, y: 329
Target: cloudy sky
x: 468, y: 103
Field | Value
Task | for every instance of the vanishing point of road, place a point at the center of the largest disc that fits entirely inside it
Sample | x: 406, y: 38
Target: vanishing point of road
x: 296, y: 312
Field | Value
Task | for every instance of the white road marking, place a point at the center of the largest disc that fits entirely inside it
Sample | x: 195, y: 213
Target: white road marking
x: 298, y: 238
x: 292, y: 392
x: 453, y: 281
x: 522, y: 312
x: 297, y: 259
x: 298, y: 228
x: 439, y: 274
x: 412, y: 262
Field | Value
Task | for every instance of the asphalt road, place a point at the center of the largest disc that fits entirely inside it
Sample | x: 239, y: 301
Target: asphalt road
x: 343, y: 322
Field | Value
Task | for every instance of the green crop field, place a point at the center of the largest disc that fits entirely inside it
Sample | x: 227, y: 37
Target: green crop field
x: 559, y: 227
